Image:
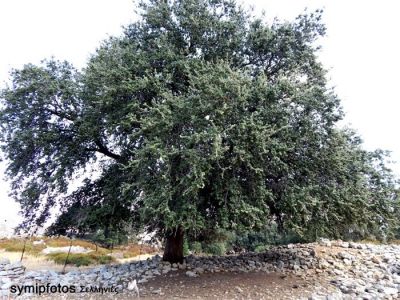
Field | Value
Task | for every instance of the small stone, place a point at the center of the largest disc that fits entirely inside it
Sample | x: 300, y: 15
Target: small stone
x: 182, y: 266
x: 157, y: 292
x: 199, y: 270
x: 344, y: 245
x: 280, y: 264
x: 352, y: 245
x: 338, y: 272
x: 6, y: 286
x: 367, y: 296
x: 191, y: 274
x: 347, y: 262
x: 376, y: 260
x: 239, y: 290
x: 345, y: 255
x: 326, y: 243
x: 107, y: 275
x: 390, y: 291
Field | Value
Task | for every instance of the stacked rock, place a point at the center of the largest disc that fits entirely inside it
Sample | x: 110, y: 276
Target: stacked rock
x: 284, y: 259
x: 10, y: 270
x: 8, y: 273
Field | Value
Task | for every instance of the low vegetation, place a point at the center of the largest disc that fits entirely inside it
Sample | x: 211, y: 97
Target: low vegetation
x: 133, y: 250
x: 17, y: 245
x: 220, y: 241
x: 97, y: 255
x: 81, y: 259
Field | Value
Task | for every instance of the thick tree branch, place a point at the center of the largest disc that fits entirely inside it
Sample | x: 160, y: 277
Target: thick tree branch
x: 104, y: 150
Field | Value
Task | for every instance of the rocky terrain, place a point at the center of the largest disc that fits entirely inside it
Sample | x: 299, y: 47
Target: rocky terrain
x: 323, y: 270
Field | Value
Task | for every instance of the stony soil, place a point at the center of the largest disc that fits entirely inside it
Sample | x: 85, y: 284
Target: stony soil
x: 325, y: 270
x: 232, y: 285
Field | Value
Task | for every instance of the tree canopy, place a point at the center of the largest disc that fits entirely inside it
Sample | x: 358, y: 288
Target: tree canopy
x: 201, y: 116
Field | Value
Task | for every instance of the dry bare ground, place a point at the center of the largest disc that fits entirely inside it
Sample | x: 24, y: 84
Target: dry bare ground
x: 224, y: 286
x: 254, y: 285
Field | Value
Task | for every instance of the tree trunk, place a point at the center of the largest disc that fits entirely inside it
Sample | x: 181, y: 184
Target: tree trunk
x: 173, y: 251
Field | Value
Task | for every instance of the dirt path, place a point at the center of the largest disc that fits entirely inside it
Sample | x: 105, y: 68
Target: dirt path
x: 255, y: 285
x: 221, y: 286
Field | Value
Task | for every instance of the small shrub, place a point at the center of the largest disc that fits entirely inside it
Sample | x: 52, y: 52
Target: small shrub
x: 261, y: 248
x: 79, y: 260
x: 251, y: 240
x: 223, y: 236
x: 289, y: 238
x: 196, y: 247
x: 104, y: 259
x: 215, y: 248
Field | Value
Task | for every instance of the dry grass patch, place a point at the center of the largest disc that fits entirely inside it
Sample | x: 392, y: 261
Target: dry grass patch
x: 64, y: 242
x: 98, y: 255
x: 81, y: 259
x: 133, y: 250
x: 36, y: 263
x: 17, y: 245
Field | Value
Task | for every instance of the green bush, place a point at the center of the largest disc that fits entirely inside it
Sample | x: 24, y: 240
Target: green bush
x: 250, y: 240
x: 79, y: 260
x: 290, y: 238
x: 196, y: 247
x: 104, y: 259
x: 261, y: 248
x: 253, y: 240
x: 223, y: 237
x: 217, y: 248
x: 219, y: 241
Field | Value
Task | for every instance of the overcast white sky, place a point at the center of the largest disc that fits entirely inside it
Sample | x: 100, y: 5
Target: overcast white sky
x: 361, y: 50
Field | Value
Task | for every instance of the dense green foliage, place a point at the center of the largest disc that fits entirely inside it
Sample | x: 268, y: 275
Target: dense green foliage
x: 199, y: 117
x: 222, y: 241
